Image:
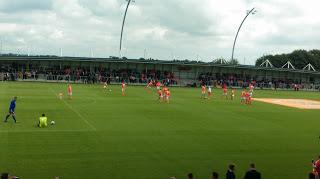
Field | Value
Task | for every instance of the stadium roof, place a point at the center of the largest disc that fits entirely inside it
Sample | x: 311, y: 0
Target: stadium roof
x: 151, y: 61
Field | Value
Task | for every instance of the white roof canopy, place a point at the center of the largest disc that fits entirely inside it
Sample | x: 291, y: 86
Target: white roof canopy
x: 309, y: 67
x: 267, y: 64
x: 288, y: 65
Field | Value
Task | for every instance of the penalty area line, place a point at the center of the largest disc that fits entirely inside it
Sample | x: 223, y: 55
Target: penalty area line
x: 75, y: 111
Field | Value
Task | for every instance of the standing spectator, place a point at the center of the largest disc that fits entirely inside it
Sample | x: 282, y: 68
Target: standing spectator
x: 252, y: 173
x: 317, y: 165
x: 190, y: 176
x: 4, y: 175
x: 312, y: 175
x: 230, y: 173
x: 215, y: 175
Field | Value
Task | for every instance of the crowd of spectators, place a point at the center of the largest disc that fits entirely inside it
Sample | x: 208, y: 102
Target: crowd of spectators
x: 210, y: 79
x: 96, y: 75
x: 252, y: 173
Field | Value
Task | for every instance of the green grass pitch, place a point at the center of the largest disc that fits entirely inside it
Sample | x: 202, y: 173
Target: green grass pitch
x: 100, y: 134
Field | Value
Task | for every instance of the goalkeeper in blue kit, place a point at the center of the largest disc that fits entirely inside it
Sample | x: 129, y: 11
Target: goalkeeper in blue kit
x: 11, y: 110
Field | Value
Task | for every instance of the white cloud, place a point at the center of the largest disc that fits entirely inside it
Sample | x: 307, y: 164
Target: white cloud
x: 184, y: 28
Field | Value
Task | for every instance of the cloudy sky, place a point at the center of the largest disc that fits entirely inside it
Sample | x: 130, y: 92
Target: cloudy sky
x: 164, y: 29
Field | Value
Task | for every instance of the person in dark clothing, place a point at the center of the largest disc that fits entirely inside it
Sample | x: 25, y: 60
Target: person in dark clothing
x: 215, y: 175
x: 4, y: 175
x: 190, y: 176
x: 230, y: 173
x: 252, y: 173
x: 312, y: 175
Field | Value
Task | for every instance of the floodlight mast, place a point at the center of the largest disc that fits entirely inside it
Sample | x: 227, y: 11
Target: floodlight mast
x: 252, y: 11
x: 123, y: 23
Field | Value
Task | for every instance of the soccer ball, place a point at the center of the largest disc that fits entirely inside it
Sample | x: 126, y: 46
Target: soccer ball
x: 53, y: 123
x: 110, y: 90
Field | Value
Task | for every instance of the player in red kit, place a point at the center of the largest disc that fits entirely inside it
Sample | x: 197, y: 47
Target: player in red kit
x: 203, y: 91
x: 225, y: 91
x: 168, y: 94
x: 243, y: 97
x: 158, y: 85
x: 248, y: 98
x: 123, y: 87
x: 70, y: 91
x: 149, y: 85
x: 160, y: 95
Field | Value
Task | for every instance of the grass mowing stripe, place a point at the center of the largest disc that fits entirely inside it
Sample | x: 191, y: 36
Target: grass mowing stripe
x: 75, y: 111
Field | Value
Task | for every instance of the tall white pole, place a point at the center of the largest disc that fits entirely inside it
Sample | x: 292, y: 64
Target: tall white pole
x: 252, y: 11
x: 1, y: 47
x: 91, y: 53
x: 122, y: 27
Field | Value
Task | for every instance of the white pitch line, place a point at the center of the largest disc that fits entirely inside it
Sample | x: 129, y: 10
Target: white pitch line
x: 75, y: 111
x: 39, y: 130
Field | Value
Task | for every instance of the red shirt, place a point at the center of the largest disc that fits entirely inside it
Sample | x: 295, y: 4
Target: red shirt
x: 123, y: 85
x: 69, y: 88
x: 317, y: 165
x: 168, y: 93
x: 158, y: 84
x: 165, y: 89
x: 203, y: 88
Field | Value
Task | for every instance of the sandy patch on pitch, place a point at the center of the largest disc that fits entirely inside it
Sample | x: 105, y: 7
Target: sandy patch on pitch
x: 294, y: 103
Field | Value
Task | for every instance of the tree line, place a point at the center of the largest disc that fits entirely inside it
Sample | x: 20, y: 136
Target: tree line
x: 298, y: 58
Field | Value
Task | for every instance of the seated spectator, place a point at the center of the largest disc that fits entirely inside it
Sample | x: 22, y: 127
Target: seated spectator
x: 215, y: 175
x: 252, y: 173
x: 230, y: 172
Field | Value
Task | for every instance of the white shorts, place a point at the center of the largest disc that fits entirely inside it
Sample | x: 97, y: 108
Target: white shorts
x: 158, y: 87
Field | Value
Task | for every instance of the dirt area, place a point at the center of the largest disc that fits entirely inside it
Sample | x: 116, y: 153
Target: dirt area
x: 294, y: 103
